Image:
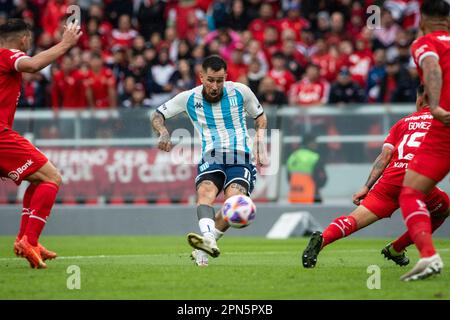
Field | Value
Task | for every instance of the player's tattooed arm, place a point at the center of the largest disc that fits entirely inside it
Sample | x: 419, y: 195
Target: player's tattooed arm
x: 259, y: 146
x: 377, y: 170
x: 164, y: 142
x: 432, y: 77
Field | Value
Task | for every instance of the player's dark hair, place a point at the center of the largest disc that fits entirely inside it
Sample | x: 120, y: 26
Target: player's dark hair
x: 435, y: 8
x: 13, y: 26
x: 215, y: 63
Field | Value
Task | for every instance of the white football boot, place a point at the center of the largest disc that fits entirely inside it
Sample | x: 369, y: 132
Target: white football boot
x: 424, y: 268
x: 200, y: 258
x: 206, y: 244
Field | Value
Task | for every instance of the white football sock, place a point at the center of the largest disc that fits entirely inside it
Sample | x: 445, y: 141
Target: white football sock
x: 217, y: 234
x: 207, y: 227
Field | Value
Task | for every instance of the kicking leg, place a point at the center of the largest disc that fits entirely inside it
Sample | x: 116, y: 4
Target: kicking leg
x: 341, y: 227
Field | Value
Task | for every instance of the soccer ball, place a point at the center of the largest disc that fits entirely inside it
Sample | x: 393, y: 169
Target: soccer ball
x: 239, y: 211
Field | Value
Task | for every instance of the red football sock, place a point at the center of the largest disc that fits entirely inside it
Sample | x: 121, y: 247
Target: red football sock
x: 405, y: 240
x: 40, y: 207
x: 26, y: 209
x: 341, y: 227
x: 417, y: 220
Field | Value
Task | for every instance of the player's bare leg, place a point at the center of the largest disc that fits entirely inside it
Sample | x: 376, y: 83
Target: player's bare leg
x: 418, y: 222
x: 47, y: 180
x: 341, y: 227
x: 206, y: 194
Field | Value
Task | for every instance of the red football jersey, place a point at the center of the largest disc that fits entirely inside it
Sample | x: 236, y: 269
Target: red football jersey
x: 10, y: 83
x: 306, y: 93
x: 435, y: 44
x: 405, y: 138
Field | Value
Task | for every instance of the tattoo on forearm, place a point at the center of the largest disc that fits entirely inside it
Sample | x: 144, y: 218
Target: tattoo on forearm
x: 433, y: 82
x: 240, y: 188
x: 158, y: 123
x: 377, y: 170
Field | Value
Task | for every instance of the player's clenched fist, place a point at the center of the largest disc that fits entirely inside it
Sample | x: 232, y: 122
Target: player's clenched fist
x: 164, y: 142
x: 360, y: 195
x: 71, y: 33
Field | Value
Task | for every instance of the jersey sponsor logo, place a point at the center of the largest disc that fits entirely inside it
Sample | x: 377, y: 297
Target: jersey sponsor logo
x: 15, y: 175
x: 198, y: 105
x: 421, y: 117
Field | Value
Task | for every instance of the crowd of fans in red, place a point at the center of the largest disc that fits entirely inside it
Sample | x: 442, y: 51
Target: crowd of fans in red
x: 140, y: 53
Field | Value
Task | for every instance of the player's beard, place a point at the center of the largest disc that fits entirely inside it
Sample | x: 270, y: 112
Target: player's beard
x: 212, y: 99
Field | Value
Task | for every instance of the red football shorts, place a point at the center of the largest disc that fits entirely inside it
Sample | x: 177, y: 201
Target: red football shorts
x: 18, y: 157
x: 432, y: 159
x: 382, y: 200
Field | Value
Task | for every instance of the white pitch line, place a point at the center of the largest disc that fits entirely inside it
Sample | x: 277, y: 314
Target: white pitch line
x: 186, y: 253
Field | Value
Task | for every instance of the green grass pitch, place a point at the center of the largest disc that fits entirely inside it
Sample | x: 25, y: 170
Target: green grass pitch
x: 151, y: 267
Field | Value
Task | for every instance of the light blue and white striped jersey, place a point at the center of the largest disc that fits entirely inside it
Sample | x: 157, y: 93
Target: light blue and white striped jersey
x: 222, y: 126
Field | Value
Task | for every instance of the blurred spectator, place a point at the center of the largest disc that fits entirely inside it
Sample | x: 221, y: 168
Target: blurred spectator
x: 237, y: 67
x: 184, y: 16
x: 33, y: 93
x: 254, y: 75
x: 360, y: 61
x: 282, y: 76
x: 397, y: 85
x: 295, y: 61
x: 238, y: 18
x: 293, y: 20
x: 271, y: 42
x: 266, y: 18
x: 376, y: 76
x: 345, y: 90
x: 52, y: 15
x: 311, y: 91
x: 269, y: 94
x: 254, y: 51
x: 100, y: 85
x: 68, y: 88
x: 127, y: 89
x: 160, y: 88
x: 183, y: 78
x: 151, y: 17
x: 227, y: 41
x: 137, y: 99
x: 124, y: 34
x: 385, y: 36
x: 306, y: 172
x: 337, y: 29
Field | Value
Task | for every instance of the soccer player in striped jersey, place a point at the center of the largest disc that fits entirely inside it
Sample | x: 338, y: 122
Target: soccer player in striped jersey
x: 217, y: 109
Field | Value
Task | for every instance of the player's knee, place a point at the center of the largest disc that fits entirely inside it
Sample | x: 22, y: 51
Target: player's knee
x: 55, y: 177
x: 235, y: 189
x: 206, y: 194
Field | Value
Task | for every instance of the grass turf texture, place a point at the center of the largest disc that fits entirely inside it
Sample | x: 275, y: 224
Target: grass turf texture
x: 249, y: 268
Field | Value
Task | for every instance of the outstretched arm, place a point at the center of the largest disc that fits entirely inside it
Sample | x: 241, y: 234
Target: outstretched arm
x: 377, y: 170
x: 158, y: 125
x: 432, y: 78
x: 70, y: 37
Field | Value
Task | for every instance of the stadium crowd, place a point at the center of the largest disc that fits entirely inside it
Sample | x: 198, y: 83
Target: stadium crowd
x: 136, y: 54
